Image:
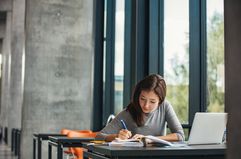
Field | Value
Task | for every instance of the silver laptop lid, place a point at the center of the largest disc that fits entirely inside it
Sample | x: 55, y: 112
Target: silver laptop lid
x: 208, y: 128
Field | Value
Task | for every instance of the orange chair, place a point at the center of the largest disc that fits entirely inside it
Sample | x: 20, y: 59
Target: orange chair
x: 70, y: 150
x: 78, y: 151
x: 66, y: 131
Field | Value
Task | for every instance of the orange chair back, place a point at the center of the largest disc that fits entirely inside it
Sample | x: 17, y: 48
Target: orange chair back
x: 84, y: 131
x: 77, y: 151
x: 66, y: 131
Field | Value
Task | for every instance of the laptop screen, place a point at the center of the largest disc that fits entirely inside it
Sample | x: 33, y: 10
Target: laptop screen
x: 208, y: 128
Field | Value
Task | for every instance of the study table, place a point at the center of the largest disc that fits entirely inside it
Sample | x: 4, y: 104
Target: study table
x: 151, y: 152
x: 61, y: 142
x: 37, y: 139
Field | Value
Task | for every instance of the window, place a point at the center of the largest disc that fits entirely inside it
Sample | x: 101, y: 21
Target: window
x: 176, y: 55
x: 113, y: 57
x: 215, y: 56
x: 119, y: 55
x: 182, y: 40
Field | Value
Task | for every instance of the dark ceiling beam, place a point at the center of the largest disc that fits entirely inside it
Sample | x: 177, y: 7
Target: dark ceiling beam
x: 3, y: 15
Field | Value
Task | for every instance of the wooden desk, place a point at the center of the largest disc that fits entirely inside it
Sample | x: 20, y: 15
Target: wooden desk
x: 187, y: 152
x: 61, y: 142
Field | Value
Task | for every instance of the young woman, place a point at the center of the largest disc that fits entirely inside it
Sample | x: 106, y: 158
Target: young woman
x: 147, y: 114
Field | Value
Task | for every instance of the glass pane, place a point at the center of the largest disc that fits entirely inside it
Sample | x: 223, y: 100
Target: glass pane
x: 176, y: 55
x: 105, y: 17
x: 215, y: 56
x: 119, y: 55
x: 104, y: 50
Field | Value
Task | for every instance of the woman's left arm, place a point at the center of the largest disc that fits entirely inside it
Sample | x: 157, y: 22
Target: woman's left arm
x: 173, y: 124
x: 170, y: 137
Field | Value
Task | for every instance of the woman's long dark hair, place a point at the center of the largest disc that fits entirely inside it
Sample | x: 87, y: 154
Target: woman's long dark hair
x: 152, y: 82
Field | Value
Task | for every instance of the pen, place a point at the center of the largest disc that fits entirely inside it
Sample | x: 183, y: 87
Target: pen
x: 123, y: 124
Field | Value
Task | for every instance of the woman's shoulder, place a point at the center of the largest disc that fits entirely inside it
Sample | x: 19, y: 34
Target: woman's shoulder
x: 166, y: 103
x: 123, y: 113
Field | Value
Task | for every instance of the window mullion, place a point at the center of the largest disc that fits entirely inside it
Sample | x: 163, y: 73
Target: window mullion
x: 98, y: 65
x: 108, y: 107
x: 195, y: 56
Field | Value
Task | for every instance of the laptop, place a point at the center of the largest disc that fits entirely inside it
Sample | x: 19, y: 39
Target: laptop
x: 207, y: 128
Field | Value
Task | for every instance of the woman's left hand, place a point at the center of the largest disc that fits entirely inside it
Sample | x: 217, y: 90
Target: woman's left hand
x: 137, y: 136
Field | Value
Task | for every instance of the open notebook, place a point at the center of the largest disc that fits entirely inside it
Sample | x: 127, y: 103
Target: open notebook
x: 140, y: 142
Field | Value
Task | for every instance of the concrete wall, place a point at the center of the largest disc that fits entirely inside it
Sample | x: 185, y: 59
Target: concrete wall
x: 47, y: 67
x: 58, y: 68
x: 16, y: 74
x: 5, y: 79
x: 5, y: 34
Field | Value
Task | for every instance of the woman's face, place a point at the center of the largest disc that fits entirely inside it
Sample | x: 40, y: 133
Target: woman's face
x: 148, y: 101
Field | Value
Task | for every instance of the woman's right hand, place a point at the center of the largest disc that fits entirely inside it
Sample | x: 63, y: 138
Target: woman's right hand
x: 124, y: 134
